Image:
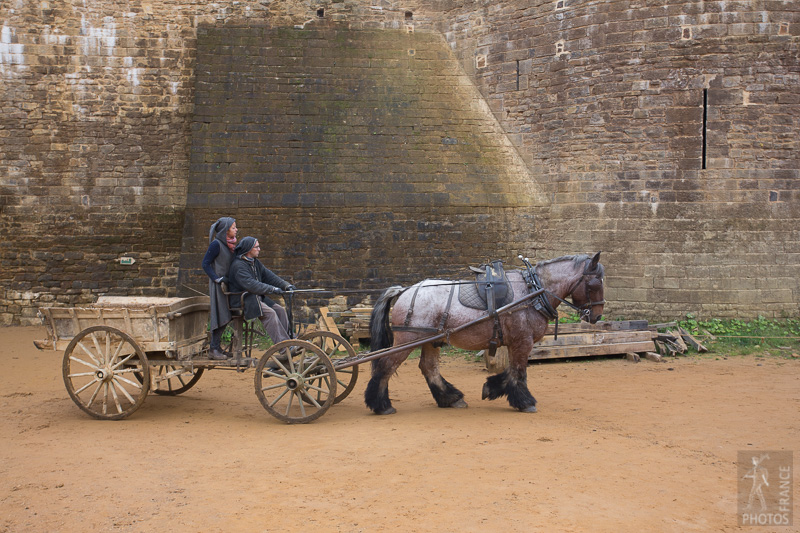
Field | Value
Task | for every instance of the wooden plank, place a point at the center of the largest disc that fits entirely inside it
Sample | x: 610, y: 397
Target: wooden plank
x: 593, y: 338
x: 498, y: 363
x: 76, y: 322
x: 682, y: 348
x: 329, y: 344
x: 156, y: 336
x: 581, y: 327
x: 128, y: 325
x: 558, y: 352
x: 327, y: 323
x: 52, y: 328
x: 330, y: 324
x: 691, y: 341
x: 666, y: 348
x: 664, y: 325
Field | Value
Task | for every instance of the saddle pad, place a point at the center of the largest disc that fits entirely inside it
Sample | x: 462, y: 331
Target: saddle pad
x: 468, y: 297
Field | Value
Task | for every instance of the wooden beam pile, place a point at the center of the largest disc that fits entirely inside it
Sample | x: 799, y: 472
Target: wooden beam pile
x: 352, y: 324
x: 604, y: 338
x: 676, y: 340
x: 632, y: 338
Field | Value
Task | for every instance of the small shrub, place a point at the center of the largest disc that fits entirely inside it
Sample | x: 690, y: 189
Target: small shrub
x: 761, y: 335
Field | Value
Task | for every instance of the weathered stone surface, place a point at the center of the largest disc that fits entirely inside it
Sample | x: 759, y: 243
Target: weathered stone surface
x: 617, y: 122
x: 117, y: 132
x: 381, y: 167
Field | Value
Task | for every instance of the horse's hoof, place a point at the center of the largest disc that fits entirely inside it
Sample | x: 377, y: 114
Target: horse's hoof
x: 389, y: 411
x: 460, y: 404
x: 530, y: 409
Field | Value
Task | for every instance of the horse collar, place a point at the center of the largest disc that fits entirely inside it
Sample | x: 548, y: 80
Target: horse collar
x: 541, y: 303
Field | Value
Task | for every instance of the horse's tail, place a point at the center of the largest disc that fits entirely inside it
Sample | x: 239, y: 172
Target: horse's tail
x: 379, y: 329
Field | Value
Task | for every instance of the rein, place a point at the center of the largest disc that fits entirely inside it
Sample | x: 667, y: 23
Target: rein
x: 368, y: 291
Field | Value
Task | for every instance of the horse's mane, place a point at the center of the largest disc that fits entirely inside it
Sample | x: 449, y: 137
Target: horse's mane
x: 576, y: 259
x: 580, y: 258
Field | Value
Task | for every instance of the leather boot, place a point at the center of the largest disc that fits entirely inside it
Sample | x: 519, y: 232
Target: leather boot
x: 216, y: 355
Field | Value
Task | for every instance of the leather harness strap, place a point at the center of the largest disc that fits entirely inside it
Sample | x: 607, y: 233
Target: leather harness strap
x: 411, y: 307
x: 446, y: 313
x: 414, y: 329
x: 497, y: 334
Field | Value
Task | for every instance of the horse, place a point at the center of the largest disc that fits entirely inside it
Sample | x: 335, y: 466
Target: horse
x: 579, y: 277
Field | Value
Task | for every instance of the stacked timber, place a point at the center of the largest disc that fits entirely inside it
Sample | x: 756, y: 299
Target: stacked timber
x: 676, y: 340
x: 604, y: 338
x: 632, y: 338
x: 352, y: 324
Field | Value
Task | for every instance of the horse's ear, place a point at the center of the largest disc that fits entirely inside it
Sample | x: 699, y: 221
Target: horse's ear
x: 595, y: 260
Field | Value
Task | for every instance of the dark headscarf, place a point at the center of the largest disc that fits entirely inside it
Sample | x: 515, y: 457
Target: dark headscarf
x: 220, y: 228
x: 244, y: 246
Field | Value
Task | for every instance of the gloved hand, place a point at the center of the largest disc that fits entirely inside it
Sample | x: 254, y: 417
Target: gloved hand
x: 291, y: 288
x: 276, y: 290
x: 219, y: 280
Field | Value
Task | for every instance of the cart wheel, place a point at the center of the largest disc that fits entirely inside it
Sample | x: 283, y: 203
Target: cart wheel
x: 99, y: 368
x: 337, y: 349
x: 171, y: 380
x: 301, y: 387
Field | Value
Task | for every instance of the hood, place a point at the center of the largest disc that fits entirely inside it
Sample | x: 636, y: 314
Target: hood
x: 220, y: 228
x: 244, y: 246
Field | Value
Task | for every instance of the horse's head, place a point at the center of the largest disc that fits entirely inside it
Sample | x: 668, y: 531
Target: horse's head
x: 588, y: 293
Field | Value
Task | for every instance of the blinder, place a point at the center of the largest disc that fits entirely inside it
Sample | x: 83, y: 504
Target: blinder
x: 586, y: 309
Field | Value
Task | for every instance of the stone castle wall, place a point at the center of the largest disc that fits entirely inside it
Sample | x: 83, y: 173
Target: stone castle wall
x: 666, y: 133
x: 663, y: 133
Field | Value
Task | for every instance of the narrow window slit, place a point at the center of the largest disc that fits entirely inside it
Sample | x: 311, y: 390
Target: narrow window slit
x: 518, y: 74
x: 705, y: 126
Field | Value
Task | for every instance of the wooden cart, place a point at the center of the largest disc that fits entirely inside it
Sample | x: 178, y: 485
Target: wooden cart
x: 119, y: 349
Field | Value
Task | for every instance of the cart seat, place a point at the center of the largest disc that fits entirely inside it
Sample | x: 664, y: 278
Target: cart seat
x: 236, y: 310
x: 242, y: 339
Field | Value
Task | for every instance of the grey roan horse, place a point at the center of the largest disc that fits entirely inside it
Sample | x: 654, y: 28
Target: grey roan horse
x: 577, y: 277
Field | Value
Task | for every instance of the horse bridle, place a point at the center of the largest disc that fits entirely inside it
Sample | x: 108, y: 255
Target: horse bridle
x: 544, y: 306
x: 586, y: 309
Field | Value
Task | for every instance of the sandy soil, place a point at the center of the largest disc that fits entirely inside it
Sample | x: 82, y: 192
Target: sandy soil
x: 615, y: 446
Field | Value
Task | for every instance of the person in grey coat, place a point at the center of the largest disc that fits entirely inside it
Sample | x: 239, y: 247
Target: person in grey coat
x: 248, y: 274
x: 216, y: 262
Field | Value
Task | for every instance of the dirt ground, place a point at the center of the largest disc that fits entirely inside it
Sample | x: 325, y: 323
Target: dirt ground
x: 615, y: 446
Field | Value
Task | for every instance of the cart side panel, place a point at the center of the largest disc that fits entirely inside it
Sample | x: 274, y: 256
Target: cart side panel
x: 188, y: 332
x: 176, y: 326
